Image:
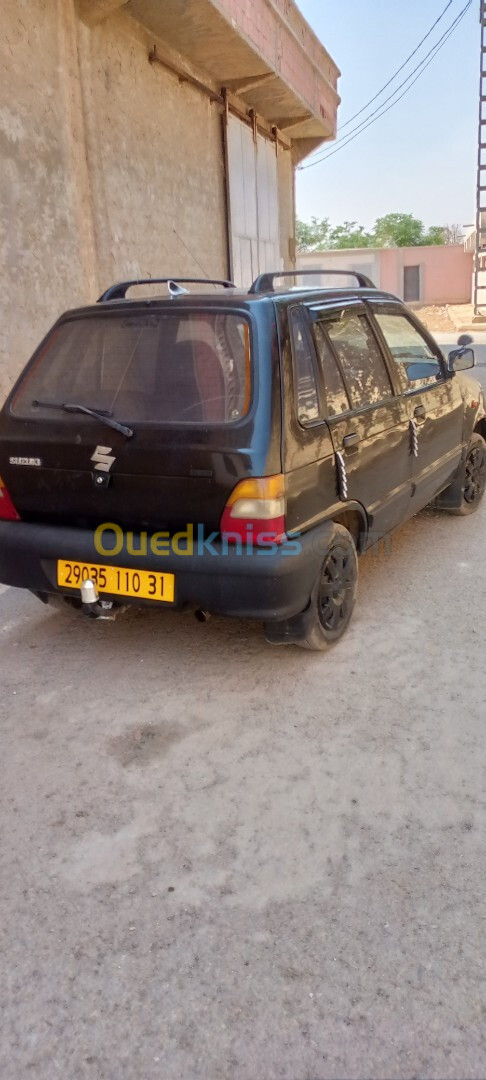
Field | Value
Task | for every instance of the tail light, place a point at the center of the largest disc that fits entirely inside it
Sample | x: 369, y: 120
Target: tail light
x: 7, y: 508
x: 255, y: 510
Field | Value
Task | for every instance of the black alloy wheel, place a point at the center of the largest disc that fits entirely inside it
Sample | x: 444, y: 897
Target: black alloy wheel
x: 475, y: 475
x: 337, y: 588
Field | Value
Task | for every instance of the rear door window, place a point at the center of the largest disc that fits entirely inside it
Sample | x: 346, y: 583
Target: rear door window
x: 178, y: 368
x: 360, y: 358
x: 336, y: 394
x: 306, y: 391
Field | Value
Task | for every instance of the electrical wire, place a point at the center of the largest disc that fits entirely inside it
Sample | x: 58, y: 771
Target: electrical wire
x: 400, y: 69
x: 377, y: 114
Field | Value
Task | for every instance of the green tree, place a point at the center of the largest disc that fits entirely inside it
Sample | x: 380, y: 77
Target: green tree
x: 350, y: 235
x: 405, y: 230
x: 313, y: 235
x: 319, y: 235
x: 437, y: 234
x: 398, y: 230
x: 392, y: 230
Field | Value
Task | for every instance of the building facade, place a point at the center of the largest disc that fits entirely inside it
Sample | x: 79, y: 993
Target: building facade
x: 422, y: 275
x: 145, y: 138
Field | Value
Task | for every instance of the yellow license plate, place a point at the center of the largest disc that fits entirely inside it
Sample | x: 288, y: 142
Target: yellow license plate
x: 145, y: 584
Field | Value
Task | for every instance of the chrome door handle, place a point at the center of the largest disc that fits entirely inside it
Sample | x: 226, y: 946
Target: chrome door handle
x: 351, y: 440
x: 419, y: 412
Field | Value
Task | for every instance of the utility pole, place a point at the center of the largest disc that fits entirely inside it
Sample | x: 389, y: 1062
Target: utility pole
x: 480, y: 255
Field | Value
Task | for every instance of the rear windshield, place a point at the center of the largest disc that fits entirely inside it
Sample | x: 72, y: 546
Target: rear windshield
x: 189, y: 368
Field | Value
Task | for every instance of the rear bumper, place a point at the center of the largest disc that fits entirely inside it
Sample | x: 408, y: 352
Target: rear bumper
x: 260, y: 585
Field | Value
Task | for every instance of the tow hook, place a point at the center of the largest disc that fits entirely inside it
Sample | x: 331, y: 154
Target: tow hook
x: 93, y: 607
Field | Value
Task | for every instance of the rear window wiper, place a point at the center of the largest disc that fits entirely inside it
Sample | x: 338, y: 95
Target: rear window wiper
x: 72, y: 408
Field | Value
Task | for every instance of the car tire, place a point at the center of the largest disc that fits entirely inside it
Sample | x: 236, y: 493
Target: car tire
x: 332, y: 601
x: 464, y: 496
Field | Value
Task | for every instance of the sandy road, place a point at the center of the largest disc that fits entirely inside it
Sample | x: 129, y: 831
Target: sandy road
x: 223, y: 860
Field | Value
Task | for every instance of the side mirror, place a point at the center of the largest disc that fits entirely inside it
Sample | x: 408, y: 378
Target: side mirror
x: 461, y: 359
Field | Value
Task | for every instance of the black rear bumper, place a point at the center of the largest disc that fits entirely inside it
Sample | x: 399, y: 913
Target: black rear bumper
x: 261, y: 585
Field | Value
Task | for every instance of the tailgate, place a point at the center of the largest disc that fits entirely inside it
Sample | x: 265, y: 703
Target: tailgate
x: 82, y: 474
x: 183, y: 379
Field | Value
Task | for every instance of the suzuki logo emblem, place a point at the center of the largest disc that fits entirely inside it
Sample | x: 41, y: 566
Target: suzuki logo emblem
x: 102, y: 459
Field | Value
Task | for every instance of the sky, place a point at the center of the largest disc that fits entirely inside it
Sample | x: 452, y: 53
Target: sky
x: 420, y: 158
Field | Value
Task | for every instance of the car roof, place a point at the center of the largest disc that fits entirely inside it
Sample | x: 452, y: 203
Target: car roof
x: 239, y: 298
x: 263, y: 290
x: 317, y: 294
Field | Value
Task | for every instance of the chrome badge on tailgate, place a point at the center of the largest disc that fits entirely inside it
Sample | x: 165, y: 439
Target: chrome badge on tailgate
x: 34, y: 461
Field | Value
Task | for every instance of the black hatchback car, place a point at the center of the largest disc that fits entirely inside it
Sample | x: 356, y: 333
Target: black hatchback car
x: 231, y: 452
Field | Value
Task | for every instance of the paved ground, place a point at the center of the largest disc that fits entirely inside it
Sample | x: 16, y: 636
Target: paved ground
x: 222, y: 861
x: 449, y: 341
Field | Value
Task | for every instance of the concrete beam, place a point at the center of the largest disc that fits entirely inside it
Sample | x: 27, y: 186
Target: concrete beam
x: 94, y: 11
x: 238, y: 86
x: 288, y: 123
x: 238, y: 42
x: 301, y: 148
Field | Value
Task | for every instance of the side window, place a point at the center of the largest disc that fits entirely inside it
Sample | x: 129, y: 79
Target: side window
x: 416, y: 363
x: 306, y: 395
x: 360, y: 358
x: 336, y: 396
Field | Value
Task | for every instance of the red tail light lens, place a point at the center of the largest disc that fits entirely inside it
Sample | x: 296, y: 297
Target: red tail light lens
x: 7, y: 508
x: 256, y: 511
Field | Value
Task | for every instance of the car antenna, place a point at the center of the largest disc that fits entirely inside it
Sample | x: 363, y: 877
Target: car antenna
x: 176, y: 290
x: 191, y: 253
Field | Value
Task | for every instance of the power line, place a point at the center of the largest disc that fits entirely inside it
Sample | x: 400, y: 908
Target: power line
x: 377, y: 114
x: 400, y: 69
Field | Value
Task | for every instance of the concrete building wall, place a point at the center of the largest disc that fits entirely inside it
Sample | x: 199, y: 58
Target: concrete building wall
x: 110, y: 168
x: 445, y: 271
x: 365, y: 260
x: 286, y: 192
x: 155, y: 158
x: 42, y: 262
x: 114, y: 167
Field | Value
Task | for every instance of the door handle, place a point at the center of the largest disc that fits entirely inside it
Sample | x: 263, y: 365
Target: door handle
x: 351, y: 440
x: 419, y: 412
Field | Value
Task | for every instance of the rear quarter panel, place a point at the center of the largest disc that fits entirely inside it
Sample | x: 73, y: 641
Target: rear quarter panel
x: 307, y: 453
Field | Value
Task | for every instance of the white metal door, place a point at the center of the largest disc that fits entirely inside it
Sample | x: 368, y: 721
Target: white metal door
x: 253, y: 196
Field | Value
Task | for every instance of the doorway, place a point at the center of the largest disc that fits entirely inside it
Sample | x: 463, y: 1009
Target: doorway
x: 411, y: 284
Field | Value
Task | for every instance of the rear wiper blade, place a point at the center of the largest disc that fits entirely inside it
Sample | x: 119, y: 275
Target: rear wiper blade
x: 72, y: 408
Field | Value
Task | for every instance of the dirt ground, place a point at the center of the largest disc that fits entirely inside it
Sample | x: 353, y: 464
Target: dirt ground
x: 223, y: 861
x: 444, y: 318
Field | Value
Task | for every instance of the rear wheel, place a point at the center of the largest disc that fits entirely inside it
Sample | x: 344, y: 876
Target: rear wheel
x: 332, y: 602
x: 470, y: 485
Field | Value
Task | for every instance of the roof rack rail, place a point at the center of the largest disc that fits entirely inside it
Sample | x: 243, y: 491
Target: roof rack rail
x: 265, y: 282
x: 120, y: 289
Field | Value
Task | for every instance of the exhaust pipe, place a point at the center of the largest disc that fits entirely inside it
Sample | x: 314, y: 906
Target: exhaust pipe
x: 202, y: 616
